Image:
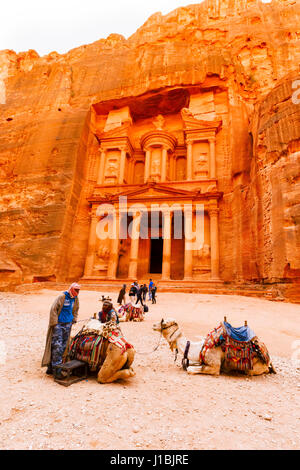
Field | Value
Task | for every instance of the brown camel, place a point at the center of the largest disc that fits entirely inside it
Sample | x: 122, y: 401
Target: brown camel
x: 214, y: 357
x: 116, y: 365
x: 117, y: 362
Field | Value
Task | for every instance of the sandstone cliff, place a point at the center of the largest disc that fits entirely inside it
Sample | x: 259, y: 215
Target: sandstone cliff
x: 251, y: 49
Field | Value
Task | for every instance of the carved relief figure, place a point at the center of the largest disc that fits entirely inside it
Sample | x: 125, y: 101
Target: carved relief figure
x: 159, y: 122
x: 111, y: 173
x: 102, y: 257
x: 155, y: 169
x: 203, y: 255
x: 201, y: 164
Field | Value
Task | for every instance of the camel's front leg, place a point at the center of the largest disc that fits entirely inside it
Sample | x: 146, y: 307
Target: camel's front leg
x: 204, y: 369
x: 212, y: 366
x: 130, y: 358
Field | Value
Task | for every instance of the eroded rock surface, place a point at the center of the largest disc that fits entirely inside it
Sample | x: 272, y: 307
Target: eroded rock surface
x: 248, y: 50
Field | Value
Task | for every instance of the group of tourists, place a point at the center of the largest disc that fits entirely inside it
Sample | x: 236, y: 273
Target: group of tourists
x: 63, y: 314
x: 138, y: 293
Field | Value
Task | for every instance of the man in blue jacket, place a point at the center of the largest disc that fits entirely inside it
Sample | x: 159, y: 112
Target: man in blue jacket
x: 151, y: 283
x: 63, y: 314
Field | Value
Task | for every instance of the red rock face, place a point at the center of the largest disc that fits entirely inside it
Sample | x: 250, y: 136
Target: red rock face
x: 248, y: 52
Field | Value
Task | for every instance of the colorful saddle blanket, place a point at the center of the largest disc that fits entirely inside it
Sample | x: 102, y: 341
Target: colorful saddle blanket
x: 131, y: 312
x: 91, y: 347
x: 238, y: 354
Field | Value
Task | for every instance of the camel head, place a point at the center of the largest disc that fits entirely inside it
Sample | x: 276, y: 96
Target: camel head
x: 169, y: 329
x: 164, y: 324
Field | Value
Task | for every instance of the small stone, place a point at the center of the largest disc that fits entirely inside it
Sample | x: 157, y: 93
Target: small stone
x: 267, y: 417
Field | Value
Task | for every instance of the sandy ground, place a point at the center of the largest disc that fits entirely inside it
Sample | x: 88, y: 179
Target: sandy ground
x: 162, y: 407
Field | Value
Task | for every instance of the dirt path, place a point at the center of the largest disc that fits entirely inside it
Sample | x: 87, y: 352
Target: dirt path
x: 162, y: 407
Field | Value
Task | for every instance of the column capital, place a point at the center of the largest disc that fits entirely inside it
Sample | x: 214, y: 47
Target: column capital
x: 213, y: 211
x: 212, y: 139
x: 93, y: 213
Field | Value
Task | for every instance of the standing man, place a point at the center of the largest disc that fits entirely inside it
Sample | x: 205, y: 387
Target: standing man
x: 151, y: 283
x: 140, y: 294
x: 63, y: 314
x: 122, y: 295
x: 145, y: 290
x: 132, y: 292
x: 154, y: 289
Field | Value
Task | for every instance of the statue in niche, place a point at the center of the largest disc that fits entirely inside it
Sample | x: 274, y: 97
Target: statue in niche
x: 201, y: 163
x: 159, y: 122
x: 203, y: 255
x: 102, y: 257
x: 155, y: 166
x: 202, y: 159
x: 111, y: 170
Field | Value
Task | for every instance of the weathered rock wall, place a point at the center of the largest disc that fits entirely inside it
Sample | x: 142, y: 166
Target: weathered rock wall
x: 47, y: 143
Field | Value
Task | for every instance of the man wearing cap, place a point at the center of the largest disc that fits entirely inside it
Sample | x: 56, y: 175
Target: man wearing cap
x: 63, y: 314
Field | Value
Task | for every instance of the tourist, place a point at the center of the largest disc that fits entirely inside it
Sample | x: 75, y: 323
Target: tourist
x: 151, y: 283
x: 133, y: 292
x: 140, y: 294
x: 145, y: 290
x: 63, y: 314
x: 122, y: 295
x: 153, y: 292
x: 108, y: 313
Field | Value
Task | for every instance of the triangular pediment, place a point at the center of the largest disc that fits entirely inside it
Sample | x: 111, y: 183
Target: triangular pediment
x: 193, y: 123
x: 151, y: 190
x: 120, y: 131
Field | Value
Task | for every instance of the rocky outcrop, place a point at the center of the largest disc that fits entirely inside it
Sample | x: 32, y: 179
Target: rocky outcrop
x: 251, y: 50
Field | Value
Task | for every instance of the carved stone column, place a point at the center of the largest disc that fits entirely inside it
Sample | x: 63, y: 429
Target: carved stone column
x: 214, y: 242
x: 89, y: 263
x: 166, y: 264
x: 189, y: 160
x: 164, y: 164
x: 122, y: 165
x: 134, y: 249
x: 100, y: 178
x: 114, y: 253
x: 212, y: 158
x: 147, y: 165
x: 188, y: 252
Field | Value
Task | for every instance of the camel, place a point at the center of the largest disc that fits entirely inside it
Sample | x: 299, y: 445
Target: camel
x: 117, y: 362
x: 214, y: 358
x: 131, y: 312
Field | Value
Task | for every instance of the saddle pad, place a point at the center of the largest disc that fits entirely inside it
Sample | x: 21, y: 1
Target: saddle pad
x: 213, y: 339
x: 238, y: 354
x: 93, y: 326
x: 90, y: 349
x: 261, y: 351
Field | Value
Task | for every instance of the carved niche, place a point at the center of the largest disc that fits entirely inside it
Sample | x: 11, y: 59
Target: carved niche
x: 102, y: 257
x: 111, y: 170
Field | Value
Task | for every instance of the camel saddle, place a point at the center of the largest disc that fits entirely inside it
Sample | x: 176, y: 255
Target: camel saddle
x: 240, y: 346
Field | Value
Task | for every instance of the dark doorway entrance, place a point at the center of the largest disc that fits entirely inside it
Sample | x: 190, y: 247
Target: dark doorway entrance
x: 156, y: 255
